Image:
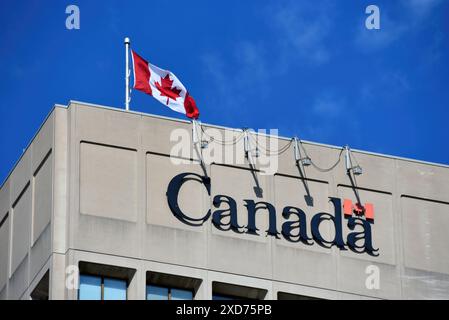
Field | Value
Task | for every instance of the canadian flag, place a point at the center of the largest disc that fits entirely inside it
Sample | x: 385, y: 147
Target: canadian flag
x: 164, y: 86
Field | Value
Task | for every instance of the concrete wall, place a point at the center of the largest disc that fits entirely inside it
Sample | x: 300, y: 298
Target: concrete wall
x: 26, y: 207
x: 109, y: 170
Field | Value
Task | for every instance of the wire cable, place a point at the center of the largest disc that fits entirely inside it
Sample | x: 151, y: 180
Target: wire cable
x: 223, y: 142
x: 318, y: 167
x: 268, y: 151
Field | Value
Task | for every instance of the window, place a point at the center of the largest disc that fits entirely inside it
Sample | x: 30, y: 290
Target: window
x: 90, y: 288
x: 167, y: 293
x: 222, y: 297
x: 164, y: 286
x: 41, y: 290
x: 290, y: 296
x: 178, y: 294
x: 114, y: 289
x: 227, y: 291
x: 101, y: 288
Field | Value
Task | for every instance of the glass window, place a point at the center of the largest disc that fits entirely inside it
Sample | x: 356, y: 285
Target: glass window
x: 90, y: 288
x: 178, y: 294
x: 221, y: 297
x: 101, y: 288
x: 114, y: 289
x: 157, y: 293
x: 165, y: 293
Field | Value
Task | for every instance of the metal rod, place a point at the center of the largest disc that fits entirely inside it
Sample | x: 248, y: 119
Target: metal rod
x: 246, y: 143
x: 347, y: 159
x: 127, y: 73
x: 297, y: 153
x: 194, y: 132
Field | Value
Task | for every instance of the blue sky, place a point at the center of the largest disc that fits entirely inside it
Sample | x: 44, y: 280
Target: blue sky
x: 307, y: 68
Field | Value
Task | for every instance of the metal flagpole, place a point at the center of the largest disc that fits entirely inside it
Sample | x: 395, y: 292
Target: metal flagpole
x: 127, y: 73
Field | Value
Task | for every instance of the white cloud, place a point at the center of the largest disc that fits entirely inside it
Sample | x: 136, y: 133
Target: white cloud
x: 303, y: 30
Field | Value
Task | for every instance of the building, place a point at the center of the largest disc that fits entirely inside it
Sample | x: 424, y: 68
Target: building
x: 96, y: 200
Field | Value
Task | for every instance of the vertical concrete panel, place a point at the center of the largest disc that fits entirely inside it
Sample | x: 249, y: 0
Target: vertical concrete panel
x: 352, y: 267
x: 20, y: 176
x: 160, y: 171
x: 243, y: 253
x: 21, y: 228
x: 18, y: 283
x: 311, y: 197
x: 4, y: 199
x: 42, y: 183
x: 107, y: 200
x: 40, y: 252
x: 166, y: 238
x: 382, y: 228
x: 60, y: 180
x: 42, y: 142
x: 3, y: 294
x: 307, y: 264
x: 242, y: 184
x: 426, y: 237
x: 58, y: 290
x: 108, y: 182
x: 4, y: 252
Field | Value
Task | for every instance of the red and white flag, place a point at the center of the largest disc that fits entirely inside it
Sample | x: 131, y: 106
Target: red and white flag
x: 164, y: 86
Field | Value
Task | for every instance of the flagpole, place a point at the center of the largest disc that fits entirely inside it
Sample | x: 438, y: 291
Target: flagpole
x: 127, y: 73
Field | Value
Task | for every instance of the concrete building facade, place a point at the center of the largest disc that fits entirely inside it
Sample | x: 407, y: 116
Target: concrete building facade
x: 90, y: 195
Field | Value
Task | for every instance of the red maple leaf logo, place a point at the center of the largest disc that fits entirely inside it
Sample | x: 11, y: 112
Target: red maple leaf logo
x: 166, y: 89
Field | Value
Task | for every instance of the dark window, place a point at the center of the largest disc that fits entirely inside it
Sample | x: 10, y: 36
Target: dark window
x: 40, y: 292
x: 227, y: 291
x: 164, y: 286
x: 290, y: 296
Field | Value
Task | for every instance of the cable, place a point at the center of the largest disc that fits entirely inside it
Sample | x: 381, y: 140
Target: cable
x: 223, y: 142
x: 268, y: 151
x: 319, y: 168
x: 274, y: 153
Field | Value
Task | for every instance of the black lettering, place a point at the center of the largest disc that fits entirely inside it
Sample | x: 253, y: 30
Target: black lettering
x: 365, y: 235
x: 336, y: 220
x: 252, y: 208
x: 231, y: 212
x: 300, y: 223
x: 172, y: 196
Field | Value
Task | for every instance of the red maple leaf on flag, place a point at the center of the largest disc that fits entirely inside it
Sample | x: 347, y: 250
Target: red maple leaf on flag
x: 166, y: 89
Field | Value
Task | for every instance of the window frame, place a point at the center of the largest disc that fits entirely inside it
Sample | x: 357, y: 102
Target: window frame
x: 102, y: 277
x: 169, y: 290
